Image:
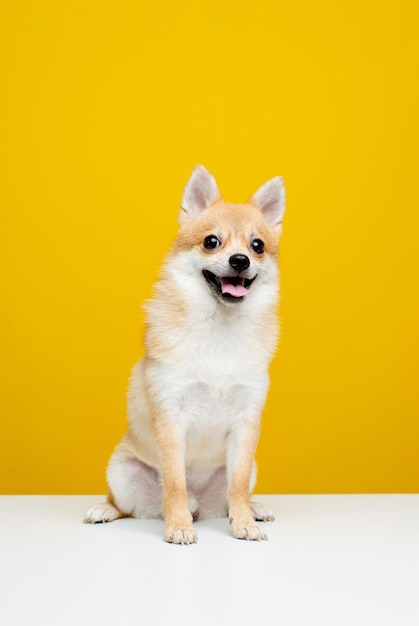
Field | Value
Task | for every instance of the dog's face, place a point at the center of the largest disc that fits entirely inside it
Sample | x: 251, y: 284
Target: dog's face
x: 232, y: 248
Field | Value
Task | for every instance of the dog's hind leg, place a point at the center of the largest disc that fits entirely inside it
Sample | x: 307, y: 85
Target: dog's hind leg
x: 101, y: 513
x: 134, y: 490
x: 261, y: 513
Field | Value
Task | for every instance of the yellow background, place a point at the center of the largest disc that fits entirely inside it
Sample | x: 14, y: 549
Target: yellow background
x: 105, y: 109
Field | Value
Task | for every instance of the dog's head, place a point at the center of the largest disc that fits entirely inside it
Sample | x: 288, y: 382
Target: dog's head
x: 233, y: 246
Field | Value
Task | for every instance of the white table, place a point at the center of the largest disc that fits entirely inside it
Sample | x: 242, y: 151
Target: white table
x: 330, y: 560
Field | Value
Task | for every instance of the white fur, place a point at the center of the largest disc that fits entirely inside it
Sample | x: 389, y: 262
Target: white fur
x: 101, y: 513
x: 210, y: 382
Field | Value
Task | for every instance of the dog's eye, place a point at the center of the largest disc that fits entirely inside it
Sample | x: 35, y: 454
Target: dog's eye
x: 257, y: 246
x: 211, y: 242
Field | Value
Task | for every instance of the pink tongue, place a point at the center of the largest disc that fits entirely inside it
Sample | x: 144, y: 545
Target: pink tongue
x: 234, y: 290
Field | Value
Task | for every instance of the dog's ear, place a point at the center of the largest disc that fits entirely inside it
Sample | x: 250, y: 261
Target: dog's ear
x: 200, y: 192
x: 270, y: 200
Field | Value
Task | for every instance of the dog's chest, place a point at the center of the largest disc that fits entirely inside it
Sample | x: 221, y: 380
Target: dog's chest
x: 219, y: 353
x: 210, y: 371
x: 217, y: 375
x: 207, y: 414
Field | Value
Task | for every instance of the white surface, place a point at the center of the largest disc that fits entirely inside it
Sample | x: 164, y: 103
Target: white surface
x: 331, y: 560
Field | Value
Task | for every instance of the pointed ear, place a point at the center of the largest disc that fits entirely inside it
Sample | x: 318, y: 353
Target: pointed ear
x: 270, y: 200
x: 200, y: 192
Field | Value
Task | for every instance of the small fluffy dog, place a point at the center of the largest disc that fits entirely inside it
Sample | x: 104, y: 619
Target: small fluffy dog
x: 195, y: 399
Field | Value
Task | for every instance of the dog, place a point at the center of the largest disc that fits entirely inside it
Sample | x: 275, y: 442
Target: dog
x: 195, y: 399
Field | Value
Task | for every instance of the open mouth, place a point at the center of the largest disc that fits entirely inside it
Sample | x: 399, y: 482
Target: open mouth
x: 232, y: 288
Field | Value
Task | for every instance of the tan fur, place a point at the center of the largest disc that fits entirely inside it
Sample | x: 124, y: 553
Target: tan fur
x: 239, y: 498
x: 228, y: 218
x: 195, y: 399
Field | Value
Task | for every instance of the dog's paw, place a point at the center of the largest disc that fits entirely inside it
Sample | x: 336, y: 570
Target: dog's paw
x: 184, y: 535
x: 261, y: 513
x: 101, y: 513
x: 250, y: 532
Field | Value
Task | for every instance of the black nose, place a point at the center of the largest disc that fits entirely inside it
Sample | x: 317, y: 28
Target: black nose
x: 239, y: 262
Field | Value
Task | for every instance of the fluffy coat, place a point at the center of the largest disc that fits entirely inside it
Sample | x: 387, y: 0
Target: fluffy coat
x: 195, y: 399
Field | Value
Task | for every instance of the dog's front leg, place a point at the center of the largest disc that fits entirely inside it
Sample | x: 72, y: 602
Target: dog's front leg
x: 177, y: 516
x: 241, y: 448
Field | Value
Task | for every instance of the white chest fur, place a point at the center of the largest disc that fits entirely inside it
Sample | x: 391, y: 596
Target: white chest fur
x: 216, y: 371
x: 207, y: 363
